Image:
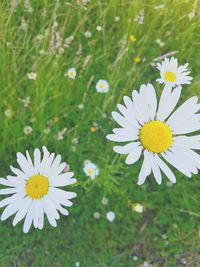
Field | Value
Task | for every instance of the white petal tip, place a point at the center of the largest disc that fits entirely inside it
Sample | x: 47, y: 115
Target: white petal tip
x: 75, y: 195
x: 109, y: 137
x: 14, y: 223
x: 128, y: 162
x: 140, y: 182
x: 74, y: 180
x: 3, y: 218
x: 44, y: 148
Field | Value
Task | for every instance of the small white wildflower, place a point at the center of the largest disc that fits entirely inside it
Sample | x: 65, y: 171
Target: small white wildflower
x: 138, y: 208
x: 159, y: 42
x: 96, y: 215
x: 60, y: 135
x: 32, y: 76
x: 73, y: 148
x: 90, y: 169
x: 135, y: 258
x: 99, y: 28
x: 116, y: 18
x: 81, y: 106
x: 139, y: 19
x: 191, y: 15
x: 28, y: 130
x: 88, y: 34
x: 25, y: 101
x: 164, y: 236
x: 8, y: 113
x: 71, y: 73
x: 110, y: 216
x: 104, y: 201
x: 46, y: 130
x: 102, y: 86
x: 77, y: 264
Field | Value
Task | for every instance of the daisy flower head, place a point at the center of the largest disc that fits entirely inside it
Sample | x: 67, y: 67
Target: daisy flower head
x: 110, y: 216
x: 90, y: 169
x: 102, y: 86
x: 32, y: 76
x: 157, y: 132
x: 138, y: 208
x: 71, y: 73
x: 173, y: 75
x: 28, y: 130
x: 34, y: 191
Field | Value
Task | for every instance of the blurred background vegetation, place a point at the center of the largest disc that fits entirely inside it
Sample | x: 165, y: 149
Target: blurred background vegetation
x: 115, y: 40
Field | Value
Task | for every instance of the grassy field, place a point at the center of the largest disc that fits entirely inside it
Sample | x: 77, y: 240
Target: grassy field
x: 71, y: 118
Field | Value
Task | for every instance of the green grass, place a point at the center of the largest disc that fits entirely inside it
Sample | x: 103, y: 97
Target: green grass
x: 168, y: 230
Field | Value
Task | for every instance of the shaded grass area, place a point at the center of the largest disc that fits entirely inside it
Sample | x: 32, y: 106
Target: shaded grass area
x: 168, y: 230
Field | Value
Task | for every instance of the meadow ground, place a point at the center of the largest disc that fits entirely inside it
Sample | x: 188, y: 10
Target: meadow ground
x: 116, y: 41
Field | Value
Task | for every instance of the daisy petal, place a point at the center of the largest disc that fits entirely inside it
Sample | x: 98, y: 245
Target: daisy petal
x: 134, y: 155
x: 126, y: 149
x: 166, y: 170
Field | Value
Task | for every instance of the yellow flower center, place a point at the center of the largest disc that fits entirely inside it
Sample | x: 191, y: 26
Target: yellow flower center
x: 37, y: 186
x: 169, y: 76
x: 71, y: 73
x: 89, y: 172
x: 137, y: 59
x: 155, y: 136
x: 102, y: 86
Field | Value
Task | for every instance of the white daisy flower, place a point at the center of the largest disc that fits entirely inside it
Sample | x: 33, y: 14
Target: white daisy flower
x: 102, y: 86
x: 8, y: 113
x: 173, y: 75
x: 90, y: 169
x: 32, y: 76
x: 77, y: 264
x: 88, y: 34
x: 96, y: 215
x: 28, y: 130
x: 154, y: 131
x: 34, y: 192
x: 110, y: 216
x: 116, y: 18
x: 138, y: 208
x: 99, y: 28
x: 104, y: 201
x: 71, y: 73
